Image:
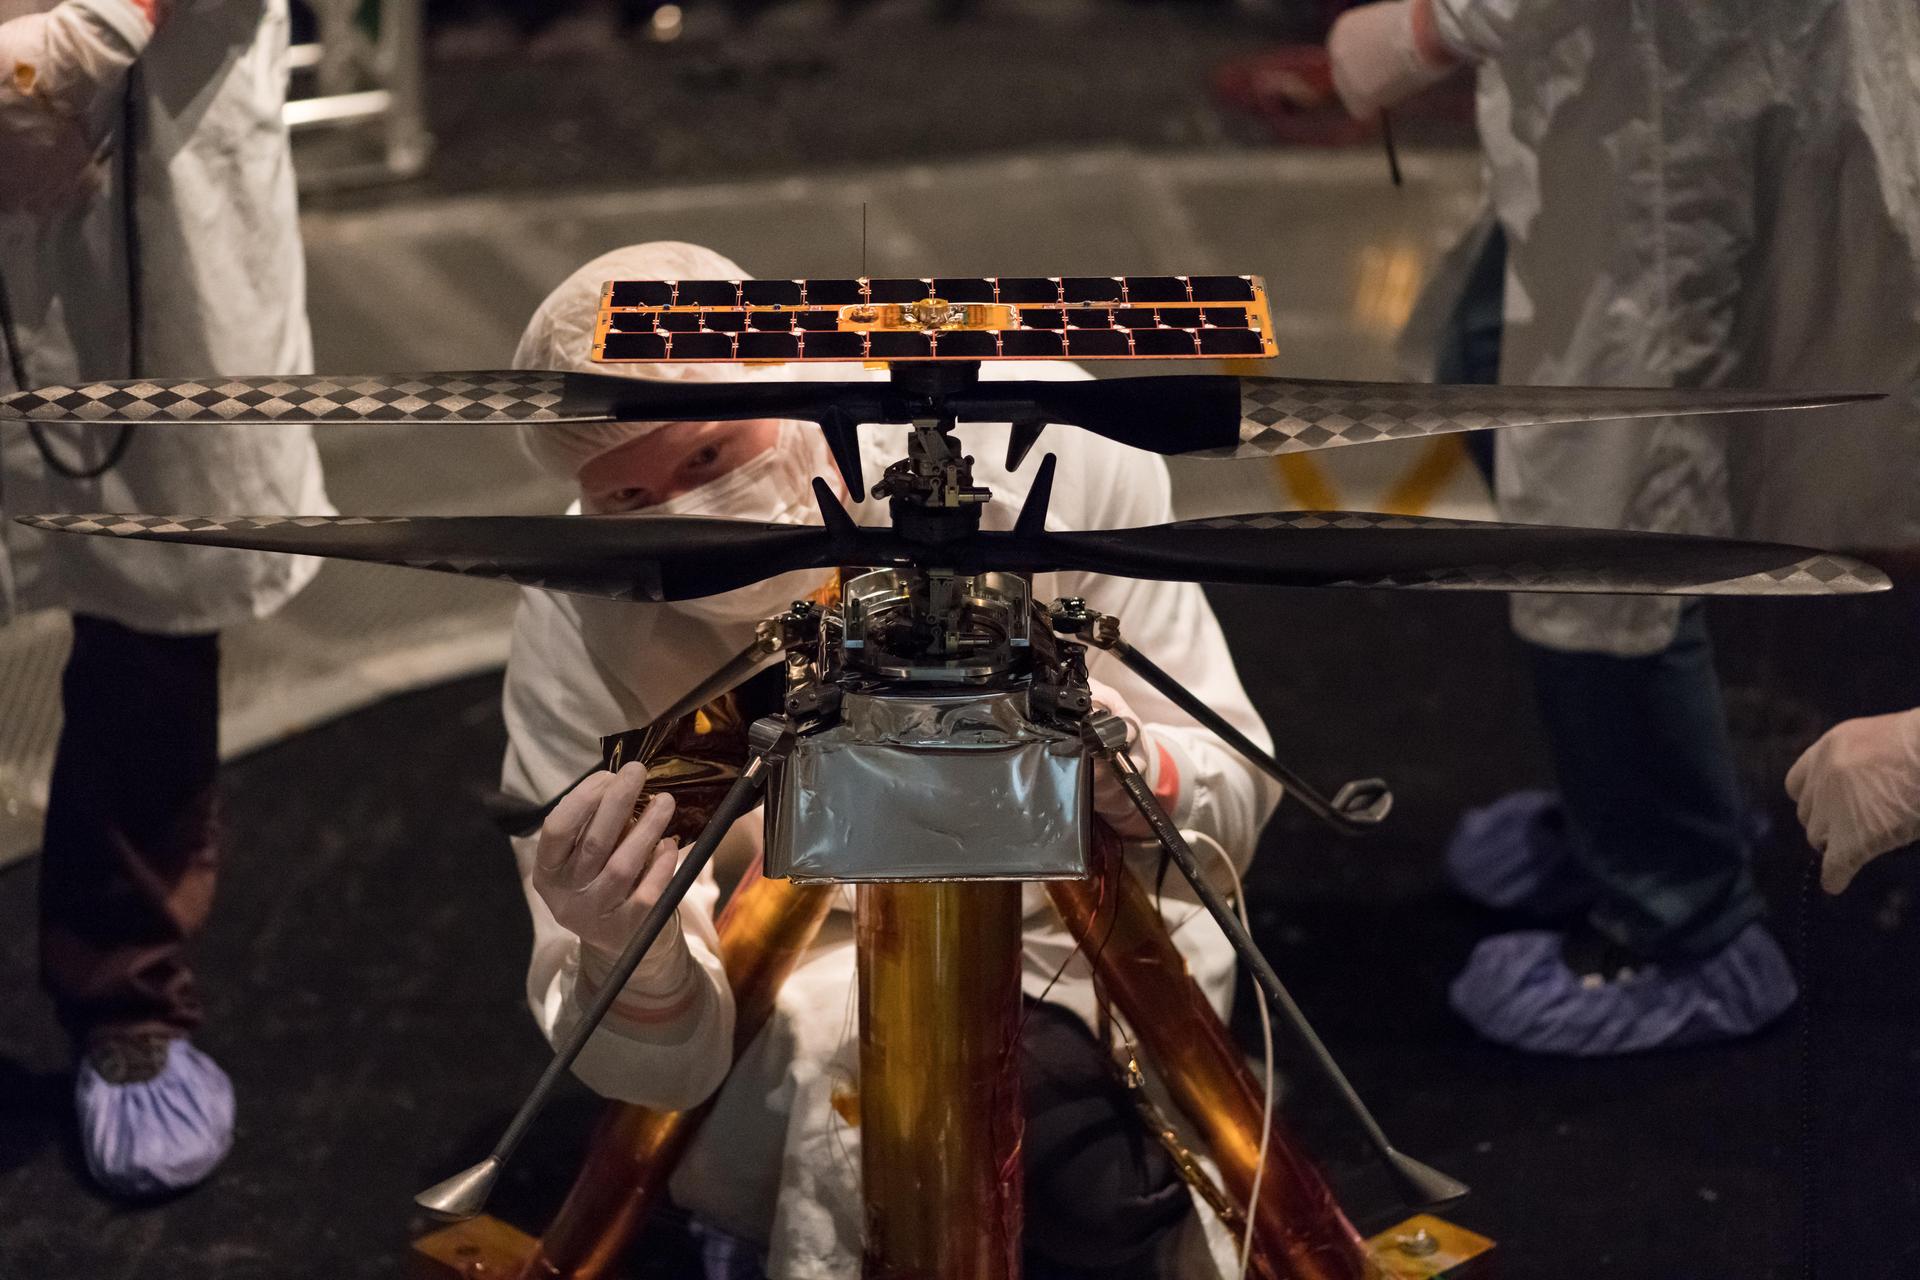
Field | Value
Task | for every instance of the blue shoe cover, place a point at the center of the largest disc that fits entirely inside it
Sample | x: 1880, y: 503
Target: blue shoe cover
x: 1518, y: 991
x: 159, y: 1135
x: 1515, y: 855
x: 724, y: 1256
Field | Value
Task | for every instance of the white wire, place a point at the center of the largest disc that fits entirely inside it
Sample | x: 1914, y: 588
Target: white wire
x: 1266, y: 1047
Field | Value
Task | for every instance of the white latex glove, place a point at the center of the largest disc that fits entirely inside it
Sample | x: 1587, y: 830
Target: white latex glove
x: 600, y: 870
x: 1384, y: 53
x: 1110, y: 799
x: 1858, y: 790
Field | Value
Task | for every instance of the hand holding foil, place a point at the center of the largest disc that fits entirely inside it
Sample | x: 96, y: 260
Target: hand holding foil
x: 600, y: 868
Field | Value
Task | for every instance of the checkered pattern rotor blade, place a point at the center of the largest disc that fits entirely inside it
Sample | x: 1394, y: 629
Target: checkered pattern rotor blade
x: 1280, y: 415
x: 505, y: 395
x: 611, y: 557
x: 1366, y: 549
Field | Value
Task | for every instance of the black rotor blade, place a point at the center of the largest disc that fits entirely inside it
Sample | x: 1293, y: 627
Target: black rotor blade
x: 613, y: 557
x: 1213, y: 416
x: 495, y: 395
x: 1365, y: 549
x: 680, y: 558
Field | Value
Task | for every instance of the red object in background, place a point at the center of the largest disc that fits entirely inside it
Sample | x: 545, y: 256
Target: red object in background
x: 1290, y: 87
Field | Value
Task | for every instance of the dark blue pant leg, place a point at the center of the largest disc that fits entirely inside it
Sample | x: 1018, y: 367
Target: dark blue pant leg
x: 1653, y: 803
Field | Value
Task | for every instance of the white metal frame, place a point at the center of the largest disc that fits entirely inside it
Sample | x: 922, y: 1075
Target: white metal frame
x: 368, y: 84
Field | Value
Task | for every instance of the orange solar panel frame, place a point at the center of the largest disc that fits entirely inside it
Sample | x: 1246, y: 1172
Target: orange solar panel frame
x: 934, y: 318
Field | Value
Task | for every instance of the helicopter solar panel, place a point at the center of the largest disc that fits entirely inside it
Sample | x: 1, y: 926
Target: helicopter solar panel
x: 936, y: 318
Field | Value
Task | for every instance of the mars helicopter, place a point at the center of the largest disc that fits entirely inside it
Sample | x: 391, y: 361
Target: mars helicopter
x: 936, y: 668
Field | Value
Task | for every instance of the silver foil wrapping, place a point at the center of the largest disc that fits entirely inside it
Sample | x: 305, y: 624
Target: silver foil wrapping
x: 932, y: 786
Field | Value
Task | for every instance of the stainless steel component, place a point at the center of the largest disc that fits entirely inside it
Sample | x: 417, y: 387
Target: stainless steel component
x: 931, y: 786
x: 463, y: 1195
x: 1357, y: 807
x: 1419, y: 1184
x: 936, y: 628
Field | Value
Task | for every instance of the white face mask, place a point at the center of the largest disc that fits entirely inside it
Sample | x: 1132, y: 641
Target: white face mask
x: 774, y: 487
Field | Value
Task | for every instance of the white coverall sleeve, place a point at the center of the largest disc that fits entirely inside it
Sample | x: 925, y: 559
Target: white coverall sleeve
x: 667, y: 1042
x: 85, y: 48
x: 1219, y: 794
x: 1478, y: 29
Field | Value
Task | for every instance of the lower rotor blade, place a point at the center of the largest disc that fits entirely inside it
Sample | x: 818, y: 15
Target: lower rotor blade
x: 613, y: 557
x: 493, y: 395
x: 1364, y: 549
x: 1212, y: 416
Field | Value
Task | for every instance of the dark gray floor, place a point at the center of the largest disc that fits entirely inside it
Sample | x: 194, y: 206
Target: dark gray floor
x: 364, y: 972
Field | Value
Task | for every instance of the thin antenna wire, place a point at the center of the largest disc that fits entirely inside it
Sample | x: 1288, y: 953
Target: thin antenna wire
x: 1393, y: 156
x: 863, y: 239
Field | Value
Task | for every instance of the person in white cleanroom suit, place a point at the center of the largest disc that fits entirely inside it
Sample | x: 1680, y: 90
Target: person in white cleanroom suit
x: 775, y: 1166
x: 1715, y: 193
x: 147, y: 227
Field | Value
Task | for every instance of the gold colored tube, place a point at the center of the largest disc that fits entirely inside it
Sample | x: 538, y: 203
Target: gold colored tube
x: 765, y: 930
x: 940, y: 1115
x: 1299, y: 1231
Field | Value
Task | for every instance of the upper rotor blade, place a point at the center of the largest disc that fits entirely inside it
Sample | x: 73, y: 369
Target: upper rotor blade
x: 1365, y: 549
x: 613, y: 557
x: 1213, y: 416
x: 496, y: 395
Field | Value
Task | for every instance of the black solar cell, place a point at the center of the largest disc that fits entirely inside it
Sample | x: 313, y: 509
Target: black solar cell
x: 770, y: 293
x: 1019, y: 289
x: 1164, y: 342
x: 1090, y: 289
x: 634, y: 346
x: 898, y: 290
x: 1231, y: 342
x: 642, y: 293
x: 1156, y: 289
x: 1221, y: 288
x: 769, y: 346
x: 966, y: 344
x: 882, y: 345
x: 701, y: 346
x: 707, y: 293
x: 834, y: 346
x: 1030, y: 344
x: 833, y: 293
x: 1096, y: 342
x: 963, y: 288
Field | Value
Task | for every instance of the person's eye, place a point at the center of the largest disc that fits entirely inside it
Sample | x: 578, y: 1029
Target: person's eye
x: 704, y: 458
x: 628, y: 499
